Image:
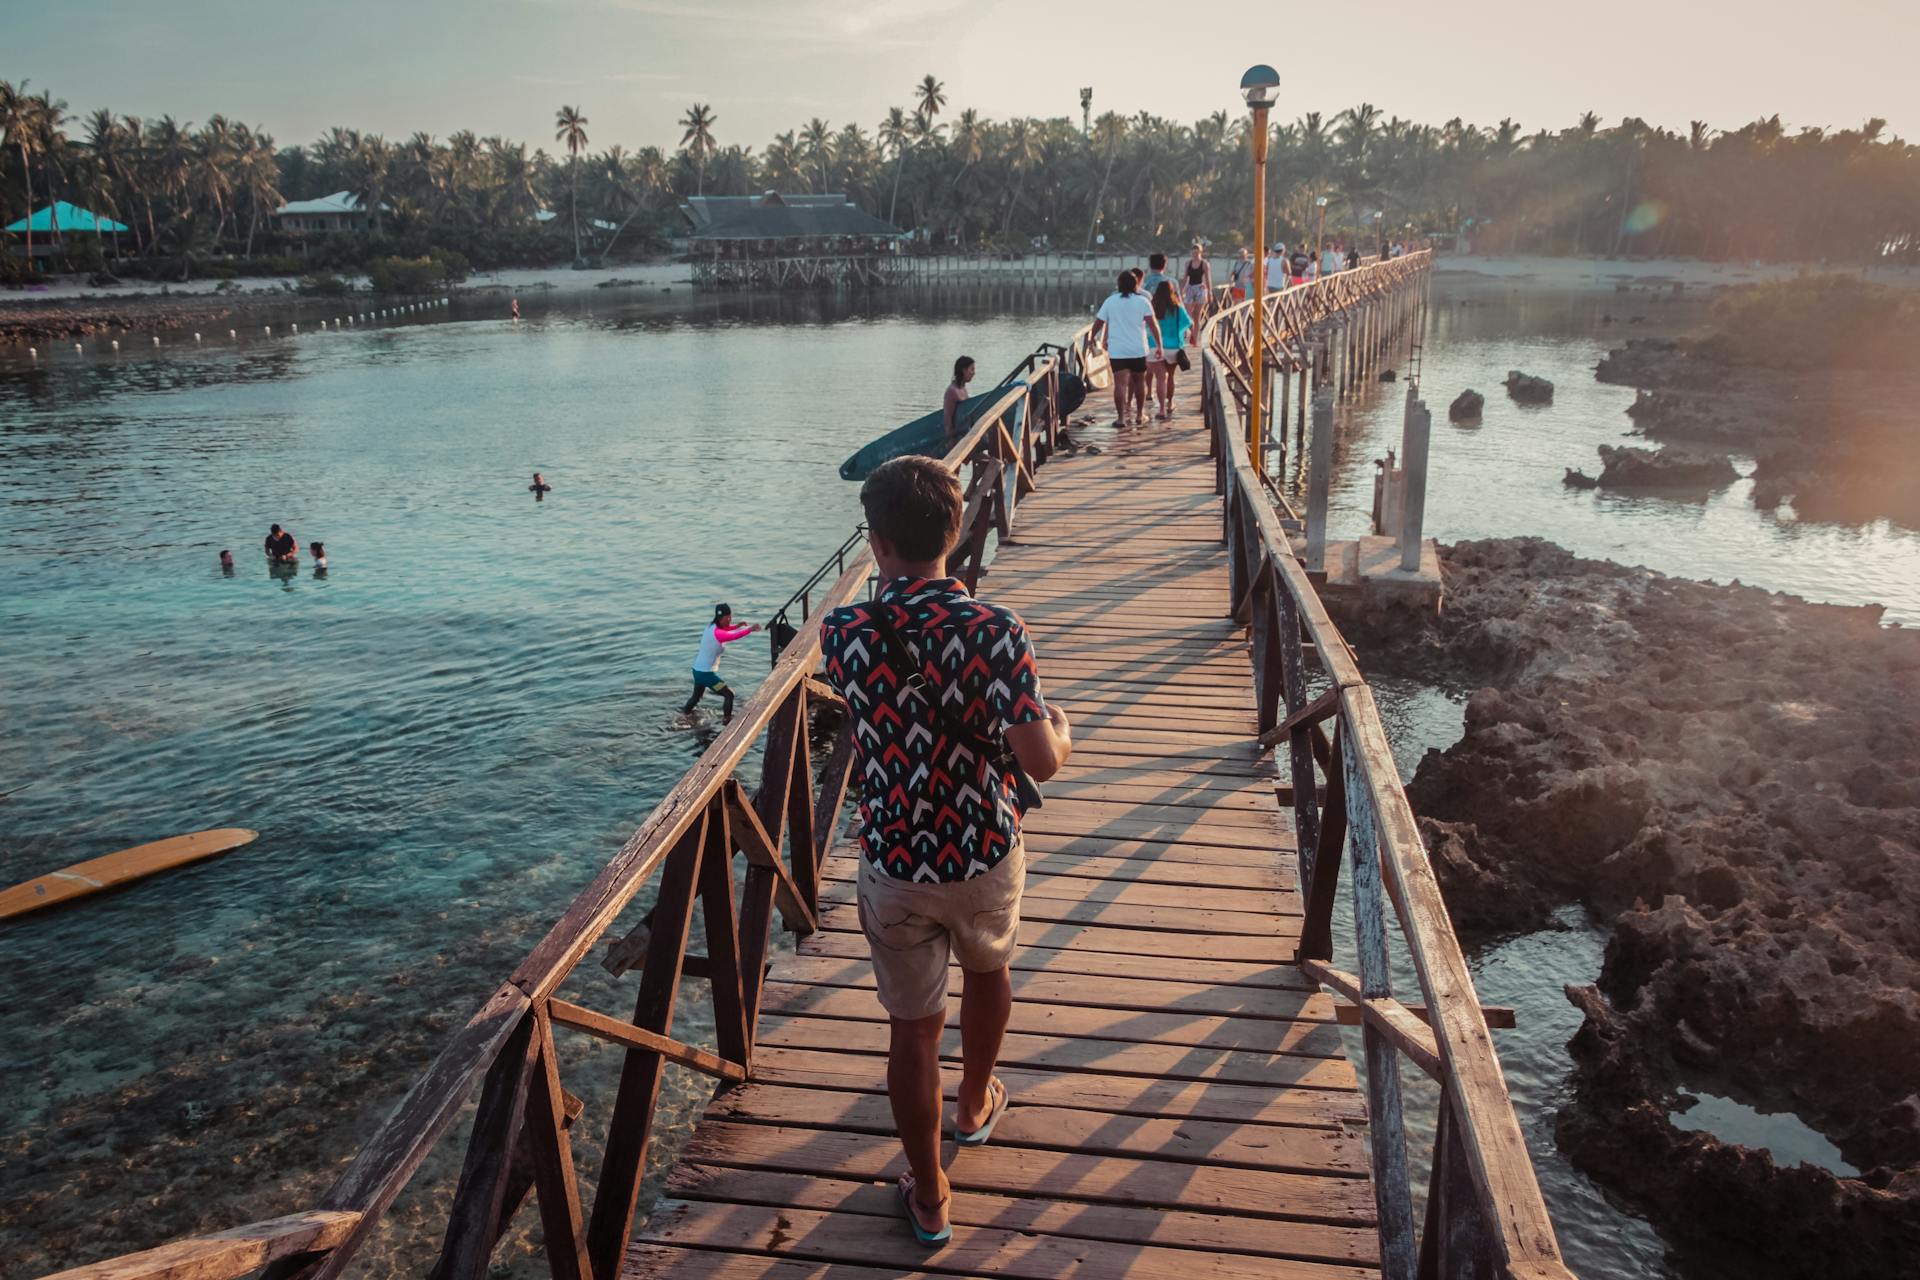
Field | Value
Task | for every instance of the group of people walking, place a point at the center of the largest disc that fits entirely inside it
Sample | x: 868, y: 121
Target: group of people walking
x: 1146, y: 325
x: 1150, y: 318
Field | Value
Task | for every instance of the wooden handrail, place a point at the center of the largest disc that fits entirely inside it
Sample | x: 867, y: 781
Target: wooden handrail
x: 1481, y: 1162
x: 226, y: 1255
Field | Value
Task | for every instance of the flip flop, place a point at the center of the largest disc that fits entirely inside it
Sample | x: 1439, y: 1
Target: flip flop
x: 979, y: 1136
x: 920, y: 1233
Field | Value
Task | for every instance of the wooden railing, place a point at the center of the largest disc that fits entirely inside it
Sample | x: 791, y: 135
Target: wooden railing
x: 783, y: 823
x: 1484, y: 1213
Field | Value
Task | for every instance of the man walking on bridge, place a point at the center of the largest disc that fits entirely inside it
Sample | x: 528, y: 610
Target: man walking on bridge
x: 945, y: 698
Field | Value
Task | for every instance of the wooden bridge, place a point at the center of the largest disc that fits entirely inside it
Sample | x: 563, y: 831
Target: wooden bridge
x: 1181, y: 1104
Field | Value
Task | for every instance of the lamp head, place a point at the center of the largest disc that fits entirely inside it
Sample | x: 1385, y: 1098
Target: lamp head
x: 1260, y: 86
x: 1321, y: 201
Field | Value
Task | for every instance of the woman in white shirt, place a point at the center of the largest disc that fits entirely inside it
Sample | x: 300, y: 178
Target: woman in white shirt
x: 1126, y: 325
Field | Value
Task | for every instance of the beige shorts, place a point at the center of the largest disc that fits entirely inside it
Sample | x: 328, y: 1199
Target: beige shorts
x: 914, y: 929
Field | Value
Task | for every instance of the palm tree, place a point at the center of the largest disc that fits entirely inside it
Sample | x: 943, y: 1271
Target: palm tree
x: 816, y: 142
x: 893, y: 136
x: 259, y: 178
x: 698, y: 140
x: 372, y: 176
x: 932, y: 95
x: 1021, y: 151
x: 18, y: 128
x: 1109, y: 131
x: 515, y: 197
x: 570, y: 127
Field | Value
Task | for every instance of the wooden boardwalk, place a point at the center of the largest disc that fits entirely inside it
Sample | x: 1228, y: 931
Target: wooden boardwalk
x: 1180, y: 1102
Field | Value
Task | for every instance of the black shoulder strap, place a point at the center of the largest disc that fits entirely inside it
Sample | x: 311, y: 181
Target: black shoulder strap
x: 904, y: 657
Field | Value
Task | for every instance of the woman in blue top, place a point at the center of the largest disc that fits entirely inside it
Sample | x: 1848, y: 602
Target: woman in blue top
x: 1174, y: 323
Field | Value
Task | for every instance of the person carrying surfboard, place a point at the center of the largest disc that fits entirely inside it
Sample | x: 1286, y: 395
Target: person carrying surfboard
x: 719, y: 633
x: 956, y: 392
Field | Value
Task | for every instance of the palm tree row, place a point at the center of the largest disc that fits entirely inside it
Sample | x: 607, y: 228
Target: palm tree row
x: 1759, y: 191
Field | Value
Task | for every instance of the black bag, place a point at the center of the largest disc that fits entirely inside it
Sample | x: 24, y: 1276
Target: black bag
x: 1000, y: 754
x: 1180, y: 358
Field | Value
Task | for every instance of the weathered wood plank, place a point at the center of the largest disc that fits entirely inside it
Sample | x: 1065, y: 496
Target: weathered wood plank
x: 1194, y: 1231
x: 229, y: 1254
x: 1016, y: 1255
x: 1149, y: 1184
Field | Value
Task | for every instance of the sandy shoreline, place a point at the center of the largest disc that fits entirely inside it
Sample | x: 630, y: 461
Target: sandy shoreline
x: 68, y: 307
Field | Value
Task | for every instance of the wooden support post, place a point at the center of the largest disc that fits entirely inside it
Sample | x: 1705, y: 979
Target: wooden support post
x: 1316, y: 928
x: 1306, y: 813
x: 473, y: 1219
x: 554, y: 1181
x: 1386, y: 1127
x: 1319, y: 483
x: 732, y: 1032
x: 631, y: 1126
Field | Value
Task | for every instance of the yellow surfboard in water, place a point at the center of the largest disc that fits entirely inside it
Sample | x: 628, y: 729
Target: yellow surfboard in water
x: 96, y: 874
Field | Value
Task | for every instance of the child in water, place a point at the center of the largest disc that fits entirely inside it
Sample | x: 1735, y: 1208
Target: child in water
x: 720, y: 633
x: 319, y: 550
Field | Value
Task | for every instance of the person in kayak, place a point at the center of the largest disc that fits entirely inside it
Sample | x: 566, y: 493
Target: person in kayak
x: 720, y: 633
x: 956, y: 392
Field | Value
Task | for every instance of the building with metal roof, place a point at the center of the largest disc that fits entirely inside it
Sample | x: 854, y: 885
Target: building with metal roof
x: 340, y: 211
x: 775, y: 217
x: 65, y: 218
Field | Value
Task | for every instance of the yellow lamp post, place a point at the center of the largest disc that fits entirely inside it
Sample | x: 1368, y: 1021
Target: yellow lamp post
x: 1260, y: 86
x: 1320, y: 235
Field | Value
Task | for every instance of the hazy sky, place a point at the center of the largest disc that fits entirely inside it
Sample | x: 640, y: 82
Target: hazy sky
x: 502, y: 66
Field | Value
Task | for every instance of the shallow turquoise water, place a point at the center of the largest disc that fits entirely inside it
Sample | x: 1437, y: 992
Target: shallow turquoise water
x: 440, y: 740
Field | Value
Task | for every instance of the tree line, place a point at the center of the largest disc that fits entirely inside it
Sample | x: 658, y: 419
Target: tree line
x: 1757, y: 191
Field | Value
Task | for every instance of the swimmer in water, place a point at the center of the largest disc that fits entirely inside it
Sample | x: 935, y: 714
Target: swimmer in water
x: 282, y: 546
x: 319, y: 551
x: 717, y: 636
x: 539, y: 484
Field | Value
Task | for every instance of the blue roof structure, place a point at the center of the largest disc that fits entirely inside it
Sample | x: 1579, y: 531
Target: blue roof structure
x: 71, y: 217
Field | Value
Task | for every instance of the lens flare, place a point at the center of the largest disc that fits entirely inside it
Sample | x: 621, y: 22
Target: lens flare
x: 1645, y: 216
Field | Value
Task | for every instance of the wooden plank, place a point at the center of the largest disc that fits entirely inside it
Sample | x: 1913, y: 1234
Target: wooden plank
x: 1067, y: 986
x: 563, y: 1225
x: 1086, y: 1090
x: 1041, y: 883
x: 973, y: 1251
x: 1299, y: 1055
x: 474, y: 1217
x: 1151, y: 1184
x: 614, y: 1031
x: 762, y: 851
x: 1259, y: 1030
x: 229, y: 1254
x: 1273, y: 948
x: 829, y: 945
x: 1192, y: 1231
x: 1028, y: 1123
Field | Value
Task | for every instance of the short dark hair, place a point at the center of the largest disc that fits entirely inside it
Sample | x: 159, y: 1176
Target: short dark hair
x: 960, y: 366
x: 275, y: 529
x: 1126, y: 286
x: 915, y: 504
x: 1158, y: 261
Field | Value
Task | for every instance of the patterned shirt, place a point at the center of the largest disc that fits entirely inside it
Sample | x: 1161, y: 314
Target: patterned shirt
x: 931, y: 807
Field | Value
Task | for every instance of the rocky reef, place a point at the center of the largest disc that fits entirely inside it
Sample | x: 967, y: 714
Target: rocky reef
x: 1626, y: 467
x: 1527, y: 389
x: 1467, y: 406
x: 1732, y: 778
x: 1816, y: 381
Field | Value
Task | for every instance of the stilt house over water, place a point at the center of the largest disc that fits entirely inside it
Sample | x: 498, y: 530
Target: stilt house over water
x: 774, y: 240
